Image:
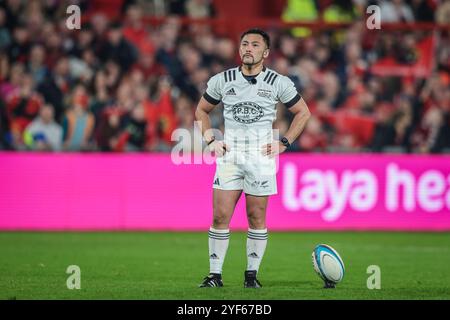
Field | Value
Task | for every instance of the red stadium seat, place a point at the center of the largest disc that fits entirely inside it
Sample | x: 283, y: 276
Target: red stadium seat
x: 361, y: 127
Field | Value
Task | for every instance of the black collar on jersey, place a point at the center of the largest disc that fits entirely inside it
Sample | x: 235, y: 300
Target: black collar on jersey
x: 252, y: 78
x: 240, y: 70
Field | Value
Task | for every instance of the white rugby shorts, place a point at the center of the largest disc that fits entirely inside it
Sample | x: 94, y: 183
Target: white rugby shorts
x: 249, y: 171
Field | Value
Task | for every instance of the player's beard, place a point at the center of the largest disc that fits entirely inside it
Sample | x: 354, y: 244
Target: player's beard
x: 250, y: 64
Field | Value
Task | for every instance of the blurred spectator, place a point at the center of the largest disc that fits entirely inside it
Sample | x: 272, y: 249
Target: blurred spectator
x: 20, y: 46
x: 151, y: 114
x: 5, y: 37
x: 43, y: 133
x: 205, y: 42
x: 134, y: 137
x: 54, y: 47
x: 83, y: 69
x: 300, y: 11
x: 98, y: 25
x: 33, y: 17
x: 113, y: 75
x: 56, y: 86
x: 177, y: 7
x: 5, y: 132
x: 108, y: 130
x: 4, y: 67
x: 331, y: 89
x: 384, y: 133
x: 441, y: 141
x: 423, y: 10
x: 199, y: 8
x: 288, y: 48
x: 22, y: 106
x: 189, y: 61
x: 147, y: 8
x: 396, y: 11
x: 101, y: 96
x: 85, y: 40
x: 12, y: 78
x: 314, y: 137
x: 352, y: 64
x: 282, y: 66
x: 443, y: 12
x: 433, y: 133
x: 166, y: 122
x: 13, y: 9
x: 340, y: 11
x: 190, y: 137
x: 151, y: 70
x: 403, y: 123
x: 118, y: 49
x: 226, y: 53
x: 36, y: 66
x: 406, y: 50
x: 78, y: 123
x: 166, y: 55
x: 135, y: 31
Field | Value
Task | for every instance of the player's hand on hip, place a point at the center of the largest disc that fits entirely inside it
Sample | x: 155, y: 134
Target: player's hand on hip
x: 273, y: 149
x: 219, y: 148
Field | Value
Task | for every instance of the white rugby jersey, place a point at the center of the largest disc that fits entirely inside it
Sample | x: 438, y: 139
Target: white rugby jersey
x: 250, y: 106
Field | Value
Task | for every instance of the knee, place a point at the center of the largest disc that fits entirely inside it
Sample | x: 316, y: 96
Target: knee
x: 220, y: 219
x: 257, y: 217
x: 219, y: 222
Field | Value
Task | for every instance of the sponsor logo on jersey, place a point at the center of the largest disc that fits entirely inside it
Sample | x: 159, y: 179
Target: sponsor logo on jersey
x: 264, y: 93
x: 230, y: 92
x: 247, y: 112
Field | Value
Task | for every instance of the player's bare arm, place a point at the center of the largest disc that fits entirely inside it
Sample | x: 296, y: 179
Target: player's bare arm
x: 301, y: 116
x: 202, y: 115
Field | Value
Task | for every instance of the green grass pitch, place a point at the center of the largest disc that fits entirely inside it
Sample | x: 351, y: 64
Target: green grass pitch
x: 170, y: 265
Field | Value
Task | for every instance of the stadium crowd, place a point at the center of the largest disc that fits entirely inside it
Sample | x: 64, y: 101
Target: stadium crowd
x: 127, y: 85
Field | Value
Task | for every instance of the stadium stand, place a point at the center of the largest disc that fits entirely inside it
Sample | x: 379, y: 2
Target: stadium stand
x: 134, y: 71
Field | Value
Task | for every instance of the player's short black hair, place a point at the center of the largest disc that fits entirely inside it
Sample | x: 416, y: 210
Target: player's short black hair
x: 262, y: 33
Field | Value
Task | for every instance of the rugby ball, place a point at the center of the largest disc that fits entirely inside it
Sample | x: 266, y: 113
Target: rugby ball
x: 328, y: 264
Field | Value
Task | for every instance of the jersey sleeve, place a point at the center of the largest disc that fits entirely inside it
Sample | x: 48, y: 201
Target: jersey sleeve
x: 213, y: 93
x: 287, y: 93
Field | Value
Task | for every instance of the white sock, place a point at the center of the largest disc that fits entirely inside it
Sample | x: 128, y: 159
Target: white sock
x: 218, y: 245
x: 256, y: 245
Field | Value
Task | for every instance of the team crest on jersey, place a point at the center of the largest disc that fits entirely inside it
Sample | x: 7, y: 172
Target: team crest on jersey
x: 247, y: 112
